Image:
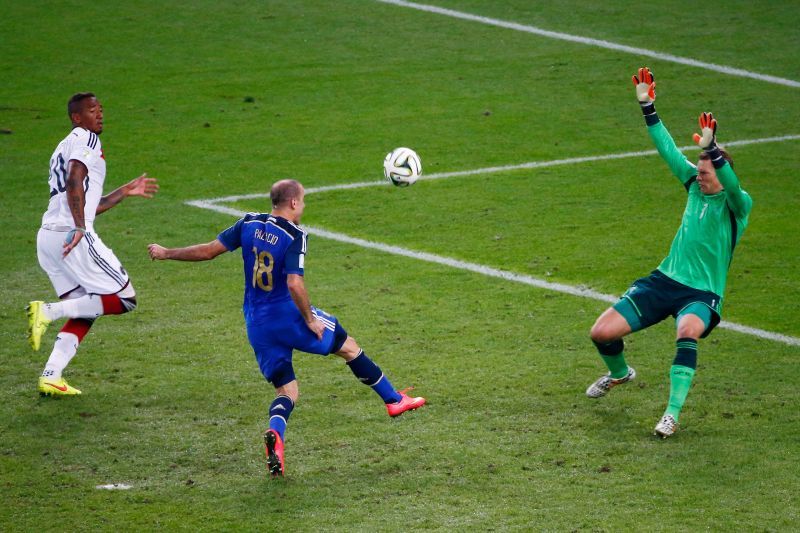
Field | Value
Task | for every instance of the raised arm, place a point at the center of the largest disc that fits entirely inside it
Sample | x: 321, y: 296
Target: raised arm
x: 738, y: 200
x: 196, y: 252
x: 678, y: 164
x: 142, y: 186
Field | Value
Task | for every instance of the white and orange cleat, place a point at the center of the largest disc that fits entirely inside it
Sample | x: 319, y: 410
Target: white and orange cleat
x: 666, y: 427
x: 600, y: 388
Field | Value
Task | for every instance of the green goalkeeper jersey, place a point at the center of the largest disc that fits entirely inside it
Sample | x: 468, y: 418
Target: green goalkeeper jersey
x: 712, y: 224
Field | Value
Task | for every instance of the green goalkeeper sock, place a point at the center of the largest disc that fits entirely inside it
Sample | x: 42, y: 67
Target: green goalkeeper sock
x: 680, y: 375
x: 612, y: 354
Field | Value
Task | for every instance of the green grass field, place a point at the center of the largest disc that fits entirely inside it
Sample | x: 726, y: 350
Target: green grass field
x: 223, y: 99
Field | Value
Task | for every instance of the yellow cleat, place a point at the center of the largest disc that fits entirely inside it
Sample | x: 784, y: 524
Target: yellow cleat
x: 37, y: 323
x: 56, y: 387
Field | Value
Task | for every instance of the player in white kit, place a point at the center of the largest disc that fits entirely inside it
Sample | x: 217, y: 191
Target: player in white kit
x: 87, y: 276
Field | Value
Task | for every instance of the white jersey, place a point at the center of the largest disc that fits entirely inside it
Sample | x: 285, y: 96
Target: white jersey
x: 84, y: 146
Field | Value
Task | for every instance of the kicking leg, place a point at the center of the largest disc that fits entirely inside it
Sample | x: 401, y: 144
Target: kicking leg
x: 92, y: 305
x: 89, y: 306
x: 397, y: 402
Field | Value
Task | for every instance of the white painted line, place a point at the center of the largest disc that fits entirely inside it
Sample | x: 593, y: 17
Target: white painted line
x: 779, y: 138
x: 114, y: 486
x: 463, y: 265
x: 213, y: 205
x: 595, y: 42
x: 583, y: 292
x: 522, y: 278
x: 504, y: 168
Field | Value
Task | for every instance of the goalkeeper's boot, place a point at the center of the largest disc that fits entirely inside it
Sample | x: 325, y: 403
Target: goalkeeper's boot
x: 37, y: 323
x: 600, y: 388
x: 406, y: 403
x: 666, y: 427
x: 56, y: 387
x: 274, y: 451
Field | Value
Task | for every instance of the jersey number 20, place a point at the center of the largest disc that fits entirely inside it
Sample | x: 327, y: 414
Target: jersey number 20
x: 262, y: 270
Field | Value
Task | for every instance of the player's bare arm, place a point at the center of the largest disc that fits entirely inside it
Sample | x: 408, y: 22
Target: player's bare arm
x: 143, y: 186
x: 196, y: 252
x: 297, y: 289
x: 76, y: 199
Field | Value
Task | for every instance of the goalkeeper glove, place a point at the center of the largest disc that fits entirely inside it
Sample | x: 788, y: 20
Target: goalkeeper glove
x: 707, y: 138
x: 645, y: 86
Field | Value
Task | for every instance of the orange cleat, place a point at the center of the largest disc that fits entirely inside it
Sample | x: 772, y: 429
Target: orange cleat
x: 406, y: 403
x: 274, y: 451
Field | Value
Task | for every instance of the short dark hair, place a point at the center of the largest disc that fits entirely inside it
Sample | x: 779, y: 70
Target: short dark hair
x: 283, y: 191
x: 705, y: 157
x: 76, y: 102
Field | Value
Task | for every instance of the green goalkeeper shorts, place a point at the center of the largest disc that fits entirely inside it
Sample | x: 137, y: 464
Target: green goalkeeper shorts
x: 651, y: 299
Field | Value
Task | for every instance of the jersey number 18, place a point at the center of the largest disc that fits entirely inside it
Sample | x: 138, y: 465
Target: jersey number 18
x: 262, y: 269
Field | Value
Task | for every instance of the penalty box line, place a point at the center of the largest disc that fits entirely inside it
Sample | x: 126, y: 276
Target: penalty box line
x: 489, y: 271
x: 600, y: 43
x: 213, y: 204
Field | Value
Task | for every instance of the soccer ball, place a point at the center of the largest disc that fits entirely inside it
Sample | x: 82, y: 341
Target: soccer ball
x: 402, y: 166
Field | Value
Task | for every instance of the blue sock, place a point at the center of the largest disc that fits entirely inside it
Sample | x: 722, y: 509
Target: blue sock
x: 279, y: 413
x: 370, y: 374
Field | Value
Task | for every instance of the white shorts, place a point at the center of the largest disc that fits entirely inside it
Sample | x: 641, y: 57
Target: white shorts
x: 91, y: 264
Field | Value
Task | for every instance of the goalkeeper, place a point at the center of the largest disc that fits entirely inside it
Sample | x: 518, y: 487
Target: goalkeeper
x: 690, y: 282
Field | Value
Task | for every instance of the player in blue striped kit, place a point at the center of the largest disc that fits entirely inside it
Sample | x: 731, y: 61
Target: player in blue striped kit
x: 278, y: 312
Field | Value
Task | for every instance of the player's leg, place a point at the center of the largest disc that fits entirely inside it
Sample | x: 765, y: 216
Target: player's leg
x: 646, y: 302
x: 363, y: 367
x: 67, y: 286
x: 91, y: 265
x: 65, y: 347
x: 336, y: 340
x: 606, y: 334
x: 92, y: 305
x: 275, y: 362
x: 81, y: 312
x: 282, y: 406
x: 49, y: 246
x: 691, y: 323
x: 370, y: 374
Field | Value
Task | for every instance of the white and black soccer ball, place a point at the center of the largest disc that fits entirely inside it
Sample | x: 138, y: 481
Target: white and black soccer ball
x: 402, y: 166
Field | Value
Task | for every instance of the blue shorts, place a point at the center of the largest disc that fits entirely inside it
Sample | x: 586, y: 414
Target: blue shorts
x: 274, y: 337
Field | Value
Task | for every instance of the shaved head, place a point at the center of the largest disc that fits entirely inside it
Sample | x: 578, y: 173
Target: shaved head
x: 285, y: 191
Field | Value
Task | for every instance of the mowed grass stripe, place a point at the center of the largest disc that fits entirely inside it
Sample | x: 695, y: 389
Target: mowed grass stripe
x: 732, y: 71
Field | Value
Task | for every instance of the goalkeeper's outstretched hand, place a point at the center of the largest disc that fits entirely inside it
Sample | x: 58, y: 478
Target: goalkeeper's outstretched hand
x: 707, y: 138
x: 645, y: 86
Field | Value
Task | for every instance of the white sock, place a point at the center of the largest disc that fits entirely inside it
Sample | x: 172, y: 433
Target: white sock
x: 87, y: 306
x: 64, y: 349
